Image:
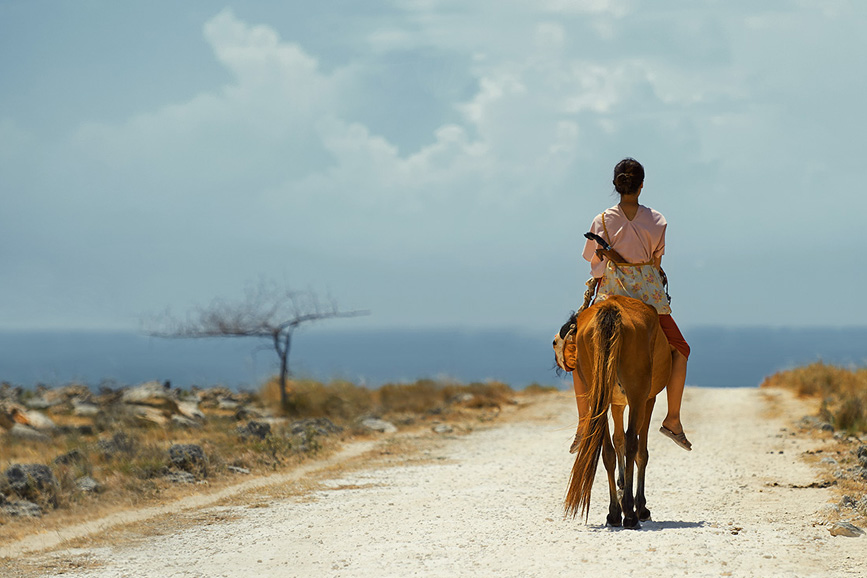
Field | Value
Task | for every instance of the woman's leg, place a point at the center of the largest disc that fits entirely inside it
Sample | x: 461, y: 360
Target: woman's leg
x: 674, y: 392
x: 583, y: 406
x: 674, y: 389
x: 580, y: 394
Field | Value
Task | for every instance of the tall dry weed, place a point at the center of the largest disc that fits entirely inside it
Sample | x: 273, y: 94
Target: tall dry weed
x: 843, y: 392
x: 308, y: 398
x: 345, y: 401
x: 419, y: 397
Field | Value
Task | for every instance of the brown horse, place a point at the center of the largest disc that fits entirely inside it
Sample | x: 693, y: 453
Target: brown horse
x: 624, y: 359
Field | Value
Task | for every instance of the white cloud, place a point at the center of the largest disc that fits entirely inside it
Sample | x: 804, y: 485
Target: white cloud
x: 618, y: 8
x: 597, y: 88
x: 262, y: 63
x: 491, y: 91
x: 261, y: 126
x: 386, y: 197
x: 281, y: 160
x: 518, y: 143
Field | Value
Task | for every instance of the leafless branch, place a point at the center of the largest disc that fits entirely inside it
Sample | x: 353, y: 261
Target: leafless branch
x: 263, y: 312
x: 266, y: 311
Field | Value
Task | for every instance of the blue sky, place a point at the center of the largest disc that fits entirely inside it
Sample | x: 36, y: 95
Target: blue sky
x: 433, y: 161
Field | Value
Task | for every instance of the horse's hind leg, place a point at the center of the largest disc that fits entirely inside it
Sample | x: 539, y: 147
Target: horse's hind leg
x: 614, y: 511
x: 637, y: 407
x: 619, y: 441
x: 641, y: 461
x: 627, y: 502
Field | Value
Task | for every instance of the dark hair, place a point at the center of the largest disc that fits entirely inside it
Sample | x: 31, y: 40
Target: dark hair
x: 628, y: 176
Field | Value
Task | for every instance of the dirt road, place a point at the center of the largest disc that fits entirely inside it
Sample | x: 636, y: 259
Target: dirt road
x: 490, y: 504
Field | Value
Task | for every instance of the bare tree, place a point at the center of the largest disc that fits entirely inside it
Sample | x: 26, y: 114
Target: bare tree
x: 267, y: 312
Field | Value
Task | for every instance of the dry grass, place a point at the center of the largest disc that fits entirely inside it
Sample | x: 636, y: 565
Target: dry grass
x: 843, y: 392
x: 132, y: 475
x: 536, y: 389
x: 842, y: 398
x: 342, y: 401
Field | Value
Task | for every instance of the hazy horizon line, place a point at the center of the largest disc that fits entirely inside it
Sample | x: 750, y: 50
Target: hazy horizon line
x: 431, y: 328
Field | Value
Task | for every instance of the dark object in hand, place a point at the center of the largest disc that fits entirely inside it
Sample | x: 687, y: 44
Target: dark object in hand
x: 598, y: 239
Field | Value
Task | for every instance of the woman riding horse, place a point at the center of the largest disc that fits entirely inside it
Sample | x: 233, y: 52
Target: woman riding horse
x: 622, y: 351
x: 631, y: 265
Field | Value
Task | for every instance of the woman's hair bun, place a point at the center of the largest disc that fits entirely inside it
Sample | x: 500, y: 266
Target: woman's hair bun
x: 624, y: 181
x: 628, y: 176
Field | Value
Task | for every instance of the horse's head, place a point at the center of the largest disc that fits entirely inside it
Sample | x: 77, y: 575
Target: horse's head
x: 565, y: 350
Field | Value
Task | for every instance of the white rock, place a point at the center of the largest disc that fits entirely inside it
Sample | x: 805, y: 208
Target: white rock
x: 190, y: 409
x: 39, y: 421
x: 846, y: 529
x: 84, y: 409
x: 379, y: 425
x: 151, y: 393
x: 22, y: 509
x: 180, y: 477
x: 37, y: 403
x: 183, y: 421
x: 25, y: 432
x: 88, y: 484
x: 150, y: 414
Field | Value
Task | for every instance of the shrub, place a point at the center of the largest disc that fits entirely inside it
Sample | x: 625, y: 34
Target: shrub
x: 417, y: 397
x: 308, y: 398
x: 536, y: 389
x: 344, y: 401
x: 843, y: 392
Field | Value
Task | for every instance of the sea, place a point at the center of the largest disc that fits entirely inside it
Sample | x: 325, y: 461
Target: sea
x: 721, y: 356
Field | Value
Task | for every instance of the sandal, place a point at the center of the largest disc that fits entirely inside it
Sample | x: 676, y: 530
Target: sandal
x: 679, y: 439
x: 574, y: 447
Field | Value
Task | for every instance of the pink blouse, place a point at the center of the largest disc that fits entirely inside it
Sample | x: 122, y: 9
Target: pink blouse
x: 641, y: 240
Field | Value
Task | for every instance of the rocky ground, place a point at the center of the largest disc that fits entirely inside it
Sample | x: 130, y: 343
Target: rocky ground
x: 762, y: 494
x: 71, y: 449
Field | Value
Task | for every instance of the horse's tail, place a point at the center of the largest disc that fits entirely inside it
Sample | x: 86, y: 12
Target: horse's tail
x: 606, y: 343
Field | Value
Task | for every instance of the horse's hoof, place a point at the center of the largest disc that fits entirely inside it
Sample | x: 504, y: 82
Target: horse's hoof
x: 613, y: 521
x: 644, y: 515
x: 631, y: 523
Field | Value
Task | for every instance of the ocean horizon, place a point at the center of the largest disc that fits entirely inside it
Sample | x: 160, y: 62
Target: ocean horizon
x: 721, y: 356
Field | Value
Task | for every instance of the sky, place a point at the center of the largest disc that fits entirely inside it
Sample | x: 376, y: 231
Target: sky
x: 435, y: 162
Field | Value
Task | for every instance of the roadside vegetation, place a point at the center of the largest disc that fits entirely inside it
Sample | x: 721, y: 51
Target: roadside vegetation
x: 70, y: 454
x: 842, y: 391
x: 842, y: 396
x: 344, y: 401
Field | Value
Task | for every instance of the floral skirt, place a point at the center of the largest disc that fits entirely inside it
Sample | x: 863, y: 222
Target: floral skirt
x: 641, y: 281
